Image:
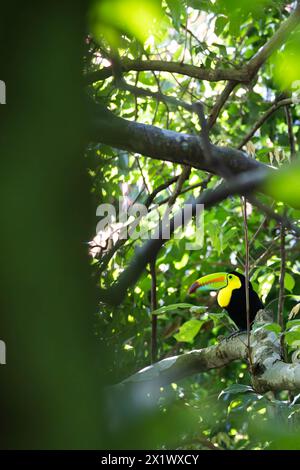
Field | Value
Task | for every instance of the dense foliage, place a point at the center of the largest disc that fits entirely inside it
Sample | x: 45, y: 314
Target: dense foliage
x: 217, y: 408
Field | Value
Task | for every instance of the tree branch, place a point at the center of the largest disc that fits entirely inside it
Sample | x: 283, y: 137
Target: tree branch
x: 166, y: 145
x: 274, y: 42
x: 230, y: 86
x: 282, y: 219
x: 157, y: 95
x: 282, y: 275
x: 203, y: 185
x: 270, y: 372
x: 212, y: 75
x: 265, y: 116
x: 177, y: 368
x: 159, y: 188
x: 289, y: 121
x: 153, y: 307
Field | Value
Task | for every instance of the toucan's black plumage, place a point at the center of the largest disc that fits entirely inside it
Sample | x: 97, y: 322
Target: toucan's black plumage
x: 237, y: 305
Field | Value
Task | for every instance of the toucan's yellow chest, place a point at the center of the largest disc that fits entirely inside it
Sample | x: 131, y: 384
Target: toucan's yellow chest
x: 224, y: 296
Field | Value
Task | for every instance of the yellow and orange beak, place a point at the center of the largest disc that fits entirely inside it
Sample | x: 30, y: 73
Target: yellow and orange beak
x: 210, y: 282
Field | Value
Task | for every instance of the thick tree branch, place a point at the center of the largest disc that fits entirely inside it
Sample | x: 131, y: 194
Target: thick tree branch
x: 270, y: 372
x: 165, y: 145
x: 177, y: 368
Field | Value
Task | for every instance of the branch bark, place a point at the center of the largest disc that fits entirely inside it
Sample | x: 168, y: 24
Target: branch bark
x: 193, y: 71
x: 270, y: 371
x: 177, y: 368
x: 166, y: 145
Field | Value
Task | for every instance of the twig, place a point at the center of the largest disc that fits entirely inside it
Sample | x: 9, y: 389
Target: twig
x: 263, y: 256
x: 276, y: 105
x: 289, y: 122
x: 198, y: 107
x: 137, y: 91
x: 281, y: 219
x: 203, y: 441
x: 206, y: 143
x: 244, y: 209
x: 153, y: 307
x: 159, y: 90
x: 230, y: 86
x: 182, y: 178
x: 282, y: 227
x: 203, y: 185
x: 136, y: 113
x: 260, y: 227
x: 160, y: 188
x: 282, y: 274
x: 142, y: 174
x: 185, y: 40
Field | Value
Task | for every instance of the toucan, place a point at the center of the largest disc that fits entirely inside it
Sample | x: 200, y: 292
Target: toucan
x: 231, y: 295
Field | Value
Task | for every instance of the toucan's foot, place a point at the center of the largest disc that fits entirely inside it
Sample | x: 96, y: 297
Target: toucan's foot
x: 235, y: 333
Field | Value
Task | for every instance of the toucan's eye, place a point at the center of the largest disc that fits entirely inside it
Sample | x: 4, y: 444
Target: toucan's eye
x: 230, y: 276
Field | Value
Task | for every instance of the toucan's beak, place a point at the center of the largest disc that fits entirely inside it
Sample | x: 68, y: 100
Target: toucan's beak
x: 214, y: 281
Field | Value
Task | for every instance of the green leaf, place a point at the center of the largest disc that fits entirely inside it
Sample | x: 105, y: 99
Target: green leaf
x: 289, y: 282
x: 235, y: 389
x: 176, y: 8
x: 265, y: 283
x: 216, y: 235
x: 282, y: 185
x: 272, y: 327
x: 203, y: 5
x: 229, y: 234
x: 221, y: 319
x: 220, y: 24
x: 183, y: 262
x: 169, y: 308
x: 292, y: 337
x: 198, y: 308
x: 188, y: 331
x: 196, y: 4
x: 292, y: 323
